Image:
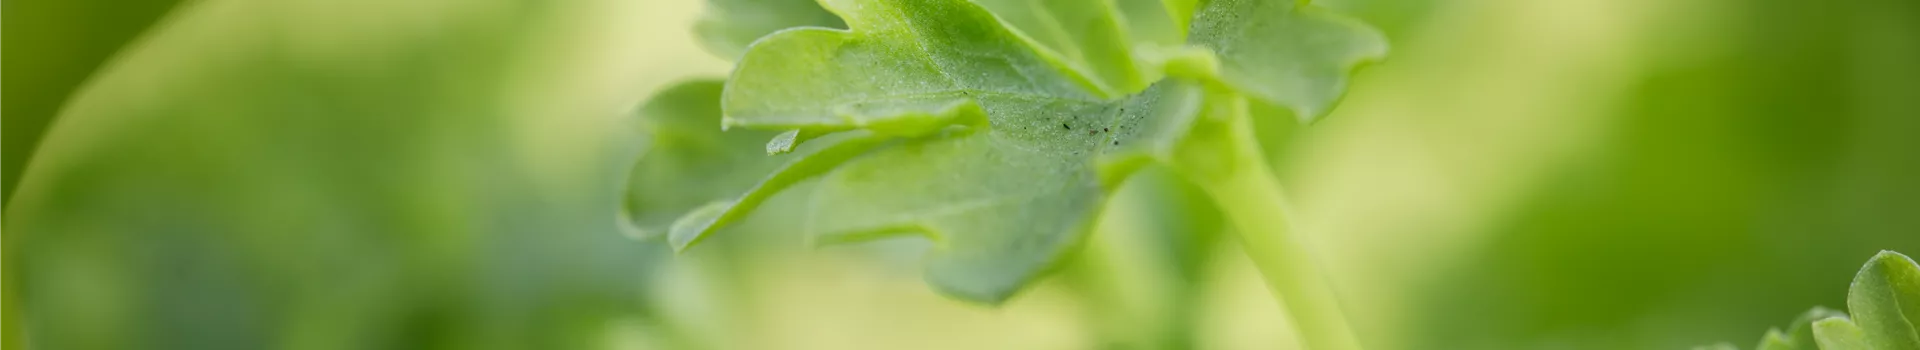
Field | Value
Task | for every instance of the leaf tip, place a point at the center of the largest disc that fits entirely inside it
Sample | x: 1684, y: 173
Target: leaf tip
x: 987, y: 297
x: 1888, y: 256
x: 690, y: 228
x: 1839, y: 333
x: 1885, y: 264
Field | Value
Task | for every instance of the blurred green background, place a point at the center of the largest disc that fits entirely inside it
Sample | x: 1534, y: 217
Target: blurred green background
x: 446, y: 174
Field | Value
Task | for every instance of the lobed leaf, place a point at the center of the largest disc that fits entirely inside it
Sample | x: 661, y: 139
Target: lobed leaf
x: 811, y: 161
x: 997, y: 146
x: 889, y: 73
x: 1885, y: 301
x: 689, y: 162
x: 1285, y: 53
x: 1001, y: 204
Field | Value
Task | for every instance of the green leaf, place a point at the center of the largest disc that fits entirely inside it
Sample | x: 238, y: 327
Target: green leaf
x: 1149, y: 22
x: 687, y: 180
x: 811, y: 161
x: 1885, y: 301
x: 57, y: 45
x: 1285, y: 54
x: 1002, y: 152
x: 1181, y: 11
x: 728, y: 26
x: 893, y: 75
x: 689, y: 163
x: 1799, y: 334
x: 1088, y: 34
x: 1837, y: 333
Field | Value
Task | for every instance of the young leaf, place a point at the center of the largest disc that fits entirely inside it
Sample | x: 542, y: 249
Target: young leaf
x: 1885, y: 301
x: 1799, y: 334
x: 1837, y: 333
x: 728, y: 26
x: 1284, y: 53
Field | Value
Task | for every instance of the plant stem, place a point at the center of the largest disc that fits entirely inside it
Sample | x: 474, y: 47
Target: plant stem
x: 12, y: 329
x: 1247, y: 194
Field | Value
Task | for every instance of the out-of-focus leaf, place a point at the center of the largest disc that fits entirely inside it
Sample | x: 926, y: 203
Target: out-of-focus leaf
x: 1182, y: 13
x: 1719, y: 346
x: 1838, y: 333
x: 811, y: 161
x: 1799, y: 335
x: 1285, y: 53
x: 729, y: 26
x: 1885, y: 301
x: 1148, y: 22
x: 332, y: 174
x: 52, y: 46
x: 689, y: 162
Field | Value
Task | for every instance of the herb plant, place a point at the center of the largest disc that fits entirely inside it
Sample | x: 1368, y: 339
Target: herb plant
x: 1885, y: 305
x: 998, y: 134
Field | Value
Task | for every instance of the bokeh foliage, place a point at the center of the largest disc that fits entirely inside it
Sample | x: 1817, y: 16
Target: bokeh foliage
x: 1522, y: 174
x: 297, y: 175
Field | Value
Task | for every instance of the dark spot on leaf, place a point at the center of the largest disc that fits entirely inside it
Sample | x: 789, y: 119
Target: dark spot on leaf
x: 1064, y: 125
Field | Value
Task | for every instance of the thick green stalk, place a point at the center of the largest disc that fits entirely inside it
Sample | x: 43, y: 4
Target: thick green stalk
x: 1240, y: 181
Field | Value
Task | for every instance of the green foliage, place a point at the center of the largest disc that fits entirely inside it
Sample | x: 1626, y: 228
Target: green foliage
x: 728, y: 26
x: 52, y: 47
x: 1885, y: 301
x: 1885, y: 304
x: 255, y: 175
x: 1286, y: 55
x: 999, y: 142
x: 688, y: 162
x: 1799, y: 334
x: 1840, y: 334
x: 1088, y: 34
